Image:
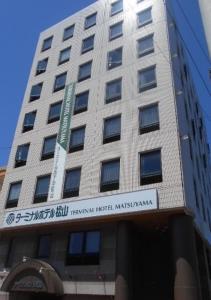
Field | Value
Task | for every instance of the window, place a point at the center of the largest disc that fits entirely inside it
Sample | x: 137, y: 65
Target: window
x: 88, y: 44
x: 35, y: 92
x: 85, y: 71
x: 41, y: 66
x: 115, y: 31
x: 144, y: 17
x: 145, y: 45
x: 81, y: 102
x: 14, y: 193
x: 112, y: 129
x: 147, y: 79
x: 110, y: 175
x: 41, y: 191
x: 83, y: 248
x: 47, y: 43
x: 21, y: 155
x: 114, y: 58
x: 113, y: 90
x: 149, y: 119
x: 64, y: 56
x: 90, y: 21
x: 77, y: 139
x: 60, y: 81
x: 44, y: 246
x: 68, y: 32
x: 150, y: 167
x: 29, y: 119
x: 116, y: 7
x: 48, y: 147
x: 72, y: 183
x: 196, y: 193
x: 54, y: 112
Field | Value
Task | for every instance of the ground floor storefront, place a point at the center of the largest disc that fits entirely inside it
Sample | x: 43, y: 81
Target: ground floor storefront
x: 160, y: 257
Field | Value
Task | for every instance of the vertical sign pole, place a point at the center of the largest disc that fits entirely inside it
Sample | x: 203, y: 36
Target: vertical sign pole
x: 56, y: 183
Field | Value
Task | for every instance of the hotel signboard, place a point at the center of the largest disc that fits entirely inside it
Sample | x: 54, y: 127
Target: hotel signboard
x: 118, y: 204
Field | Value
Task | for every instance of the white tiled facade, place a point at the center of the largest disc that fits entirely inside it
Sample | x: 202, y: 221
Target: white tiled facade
x: 173, y: 138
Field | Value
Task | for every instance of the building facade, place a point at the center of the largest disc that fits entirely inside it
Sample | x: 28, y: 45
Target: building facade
x: 107, y: 191
x: 2, y: 175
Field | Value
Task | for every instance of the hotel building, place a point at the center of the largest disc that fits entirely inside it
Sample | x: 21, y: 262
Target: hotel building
x: 107, y: 189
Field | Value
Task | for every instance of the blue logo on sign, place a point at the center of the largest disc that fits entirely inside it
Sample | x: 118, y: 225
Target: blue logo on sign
x: 10, y: 219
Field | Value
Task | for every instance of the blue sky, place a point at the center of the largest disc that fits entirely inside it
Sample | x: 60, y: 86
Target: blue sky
x: 20, y: 24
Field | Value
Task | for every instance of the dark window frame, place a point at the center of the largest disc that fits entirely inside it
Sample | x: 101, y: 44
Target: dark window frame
x: 146, y: 22
x: 148, y: 51
x: 21, y: 162
x: 113, y: 137
x: 45, y: 156
x: 44, y: 41
x: 57, y: 118
x: 116, y: 98
x: 113, y: 184
x: 87, y: 76
x: 71, y: 192
x: 87, y: 17
x: 82, y: 109
x: 68, y: 37
x: 56, y: 89
x: 38, y: 255
x: 117, y: 11
x: 85, y: 50
x: 61, y: 62
x: 35, y: 97
x: 77, y: 147
x: 42, y: 197
x: 148, y: 86
x: 117, y: 64
x: 14, y: 202
x: 38, y: 72
x: 154, y: 177
x: 84, y: 258
x: 153, y: 126
x: 25, y: 127
x: 118, y: 35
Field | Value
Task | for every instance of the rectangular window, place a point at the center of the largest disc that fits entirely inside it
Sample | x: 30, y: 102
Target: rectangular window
x: 42, y: 66
x: 81, y: 102
x: 68, y: 32
x: 149, y: 119
x: 21, y: 155
x: 113, y: 90
x: 29, y: 119
x: 77, y: 139
x: 110, y: 175
x: 83, y: 248
x: 85, y: 71
x: 41, y: 191
x: 112, y: 129
x: 147, y: 79
x: 54, y: 112
x: 196, y: 193
x: 35, y: 92
x: 116, y: 7
x: 60, y: 81
x: 44, y: 246
x: 14, y: 194
x: 72, y: 183
x: 115, y: 31
x: 47, y: 43
x: 145, y: 45
x: 88, y: 44
x: 64, y: 56
x: 48, y: 147
x: 144, y: 17
x: 90, y: 21
x: 114, y: 58
x: 150, y: 167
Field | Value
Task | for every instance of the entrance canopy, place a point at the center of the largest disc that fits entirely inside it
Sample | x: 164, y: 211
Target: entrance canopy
x: 33, y: 275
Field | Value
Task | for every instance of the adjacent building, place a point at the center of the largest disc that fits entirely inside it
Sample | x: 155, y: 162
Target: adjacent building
x: 107, y: 192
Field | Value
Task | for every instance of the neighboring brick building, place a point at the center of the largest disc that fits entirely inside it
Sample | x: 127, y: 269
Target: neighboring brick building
x: 108, y: 197
x: 2, y: 175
